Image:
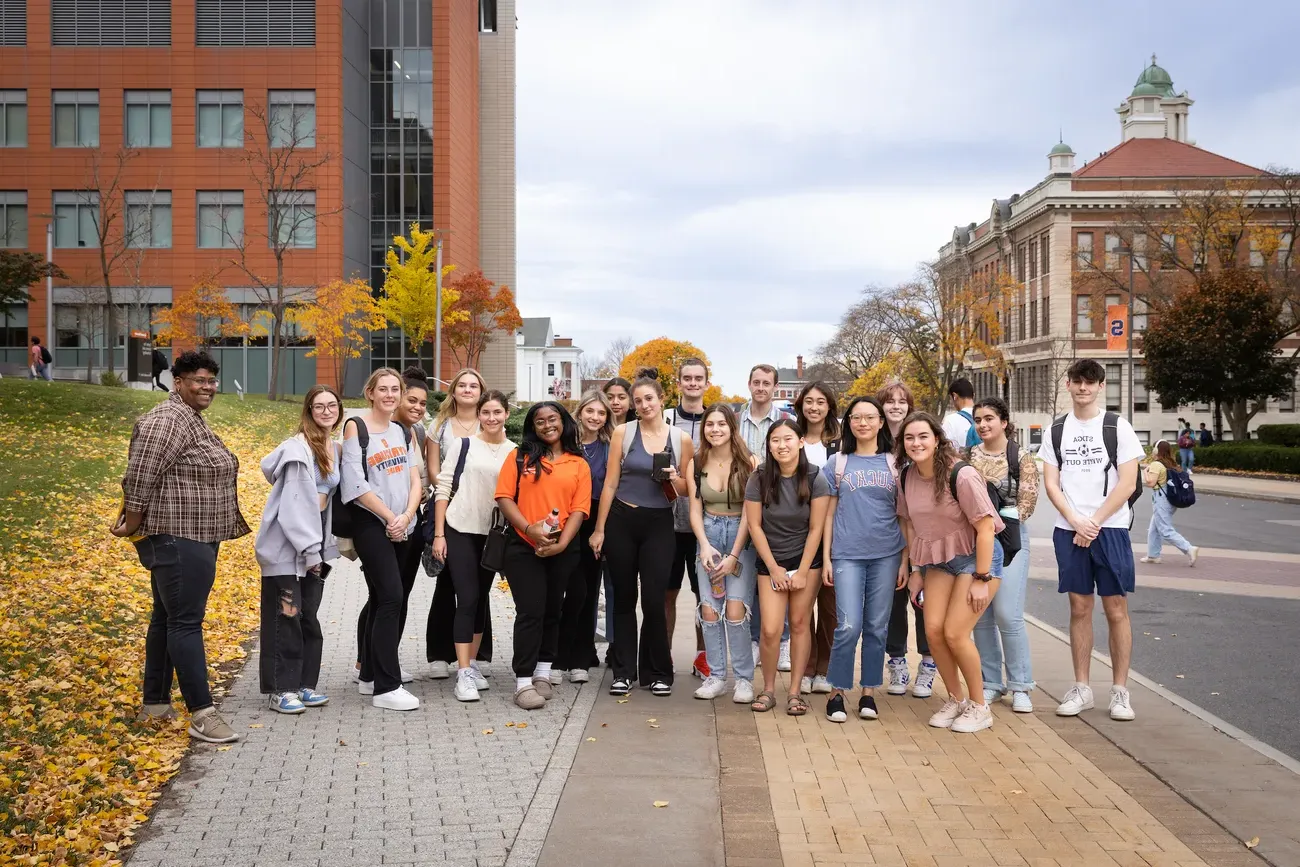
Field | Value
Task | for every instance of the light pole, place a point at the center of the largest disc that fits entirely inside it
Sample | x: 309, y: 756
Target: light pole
x: 437, y: 324
x: 1128, y: 328
x: 49, y: 288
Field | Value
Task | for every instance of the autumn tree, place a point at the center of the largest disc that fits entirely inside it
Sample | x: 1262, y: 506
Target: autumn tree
x: 410, y: 295
x: 897, y: 366
x: 340, y: 319
x: 20, y: 269
x: 1218, y: 341
x: 200, y: 317
x: 857, y: 345
x: 666, y: 355
x: 481, y: 309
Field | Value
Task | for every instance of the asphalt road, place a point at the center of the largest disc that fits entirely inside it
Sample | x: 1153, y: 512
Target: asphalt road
x: 1239, y: 656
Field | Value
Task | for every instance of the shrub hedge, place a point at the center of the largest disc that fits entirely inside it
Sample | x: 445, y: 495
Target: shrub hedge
x: 1250, y: 456
x: 1280, y: 435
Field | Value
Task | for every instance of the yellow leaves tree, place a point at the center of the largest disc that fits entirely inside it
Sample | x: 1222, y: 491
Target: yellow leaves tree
x: 410, y: 296
x: 665, y: 355
x: 340, y: 319
x: 200, y: 317
x: 894, y: 367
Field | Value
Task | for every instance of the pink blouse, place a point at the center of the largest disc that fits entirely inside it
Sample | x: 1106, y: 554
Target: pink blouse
x: 945, y: 529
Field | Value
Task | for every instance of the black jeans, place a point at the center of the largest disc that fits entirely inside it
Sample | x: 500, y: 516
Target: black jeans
x: 577, y: 634
x: 181, y: 573
x: 471, y: 581
x: 380, y: 625
x: 537, y: 584
x: 409, y: 567
x: 291, y: 643
x: 582, y: 653
x: 640, y: 542
x: 896, y: 640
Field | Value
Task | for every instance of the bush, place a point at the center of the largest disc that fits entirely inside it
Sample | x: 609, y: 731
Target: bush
x: 1250, y: 456
x: 1279, y: 435
x: 111, y: 380
x: 515, y: 425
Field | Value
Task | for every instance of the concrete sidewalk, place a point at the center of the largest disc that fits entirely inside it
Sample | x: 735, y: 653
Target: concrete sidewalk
x: 1246, y: 487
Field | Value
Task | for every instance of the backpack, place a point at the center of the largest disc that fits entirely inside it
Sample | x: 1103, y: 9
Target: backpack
x: 1185, y: 440
x: 972, y: 438
x: 1110, y: 440
x: 46, y: 358
x: 340, y: 515
x: 1179, y: 489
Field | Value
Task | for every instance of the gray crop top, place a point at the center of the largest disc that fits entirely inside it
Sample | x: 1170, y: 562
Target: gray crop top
x: 635, y: 485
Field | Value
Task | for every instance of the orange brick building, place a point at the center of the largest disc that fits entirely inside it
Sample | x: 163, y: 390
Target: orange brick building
x: 176, y: 136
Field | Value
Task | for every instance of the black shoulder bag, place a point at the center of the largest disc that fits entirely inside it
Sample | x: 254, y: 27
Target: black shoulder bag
x: 494, y: 549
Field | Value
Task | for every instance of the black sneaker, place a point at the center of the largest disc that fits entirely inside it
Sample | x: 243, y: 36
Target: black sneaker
x: 867, y: 708
x: 835, y: 709
x: 620, y: 686
x: 661, y: 688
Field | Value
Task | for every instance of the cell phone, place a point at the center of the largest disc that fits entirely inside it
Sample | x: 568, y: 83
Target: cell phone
x: 661, y: 461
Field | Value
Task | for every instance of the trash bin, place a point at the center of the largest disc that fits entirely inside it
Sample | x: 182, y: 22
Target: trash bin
x: 139, y: 360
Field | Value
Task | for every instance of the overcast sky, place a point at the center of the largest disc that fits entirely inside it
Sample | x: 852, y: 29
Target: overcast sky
x: 734, y: 173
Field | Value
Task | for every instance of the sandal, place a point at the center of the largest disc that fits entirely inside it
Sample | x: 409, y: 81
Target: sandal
x: 796, y: 706
x: 764, y: 702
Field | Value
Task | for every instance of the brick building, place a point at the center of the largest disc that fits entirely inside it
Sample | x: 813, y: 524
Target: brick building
x: 161, y: 112
x: 1065, y: 228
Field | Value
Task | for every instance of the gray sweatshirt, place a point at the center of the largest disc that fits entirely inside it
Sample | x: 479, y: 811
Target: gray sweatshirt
x: 388, y: 475
x: 294, y: 535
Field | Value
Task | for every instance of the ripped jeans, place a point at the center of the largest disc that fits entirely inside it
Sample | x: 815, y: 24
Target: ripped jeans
x: 723, y: 632
x: 291, y: 642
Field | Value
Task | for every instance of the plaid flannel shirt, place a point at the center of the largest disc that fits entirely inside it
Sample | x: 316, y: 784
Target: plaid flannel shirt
x: 182, y: 477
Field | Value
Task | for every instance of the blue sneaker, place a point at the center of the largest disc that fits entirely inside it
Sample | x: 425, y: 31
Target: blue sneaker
x: 286, y: 702
x: 311, y: 698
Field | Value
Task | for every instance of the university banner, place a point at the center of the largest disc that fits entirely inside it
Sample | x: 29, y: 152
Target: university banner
x: 1116, y: 327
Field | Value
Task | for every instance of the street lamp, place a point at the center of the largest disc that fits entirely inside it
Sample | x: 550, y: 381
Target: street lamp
x: 1128, y: 327
x: 49, y: 288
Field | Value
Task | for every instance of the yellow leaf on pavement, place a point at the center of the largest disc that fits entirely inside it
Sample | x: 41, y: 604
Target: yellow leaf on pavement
x: 1252, y: 842
x: 665, y: 804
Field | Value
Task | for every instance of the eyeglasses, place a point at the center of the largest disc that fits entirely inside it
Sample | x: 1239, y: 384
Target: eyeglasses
x: 325, y: 407
x: 203, y: 382
x: 863, y: 419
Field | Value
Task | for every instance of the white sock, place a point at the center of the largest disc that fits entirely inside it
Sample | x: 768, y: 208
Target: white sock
x: 464, y: 672
x: 929, y: 659
x: 523, y: 683
x: 543, y: 669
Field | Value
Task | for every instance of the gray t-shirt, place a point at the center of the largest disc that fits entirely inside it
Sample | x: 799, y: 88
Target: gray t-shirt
x: 690, y: 424
x: 785, y: 521
x: 389, y: 461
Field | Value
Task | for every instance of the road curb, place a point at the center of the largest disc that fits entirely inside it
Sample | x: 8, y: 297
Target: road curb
x: 1266, y: 498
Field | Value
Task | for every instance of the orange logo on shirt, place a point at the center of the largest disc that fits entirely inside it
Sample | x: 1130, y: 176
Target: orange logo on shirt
x: 388, y: 459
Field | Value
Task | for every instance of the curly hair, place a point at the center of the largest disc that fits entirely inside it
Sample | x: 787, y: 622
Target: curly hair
x: 944, y: 453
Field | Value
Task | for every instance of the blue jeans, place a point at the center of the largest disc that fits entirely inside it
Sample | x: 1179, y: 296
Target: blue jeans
x: 181, y: 572
x: 724, y: 633
x: 1006, y: 617
x: 1186, y: 459
x: 1161, y: 528
x: 864, y: 598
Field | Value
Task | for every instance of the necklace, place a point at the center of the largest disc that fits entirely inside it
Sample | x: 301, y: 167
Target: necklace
x: 465, y: 429
x: 494, y: 448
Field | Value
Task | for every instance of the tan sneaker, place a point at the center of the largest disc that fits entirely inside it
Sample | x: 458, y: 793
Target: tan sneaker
x: 543, y: 687
x: 153, y: 712
x: 529, y: 698
x: 207, y: 725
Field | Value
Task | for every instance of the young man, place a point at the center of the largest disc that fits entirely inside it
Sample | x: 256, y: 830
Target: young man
x: 688, y: 415
x: 1206, y: 438
x: 959, y: 425
x: 40, y: 368
x: 1090, y: 473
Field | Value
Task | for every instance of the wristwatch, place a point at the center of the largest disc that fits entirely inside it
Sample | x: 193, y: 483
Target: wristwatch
x: 982, y: 576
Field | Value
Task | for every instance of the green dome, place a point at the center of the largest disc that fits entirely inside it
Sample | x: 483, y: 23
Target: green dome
x: 1154, y: 78
x: 1146, y: 90
x: 1061, y: 148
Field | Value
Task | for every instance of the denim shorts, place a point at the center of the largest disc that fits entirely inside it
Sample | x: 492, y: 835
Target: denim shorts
x: 964, y: 564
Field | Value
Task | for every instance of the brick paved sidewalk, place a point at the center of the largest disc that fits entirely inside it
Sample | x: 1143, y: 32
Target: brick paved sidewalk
x: 348, y: 784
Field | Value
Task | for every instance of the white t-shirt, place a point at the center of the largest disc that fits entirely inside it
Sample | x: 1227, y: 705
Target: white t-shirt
x: 1084, y: 474
x: 816, y: 454
x: 956, y: 427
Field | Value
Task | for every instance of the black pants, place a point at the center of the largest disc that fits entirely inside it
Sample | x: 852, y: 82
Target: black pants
x: 471, y: 581
x: 380, y: 625
x: 438, y: 641
x: 640, y: 542
x: 291, y: 643
x: 684, y: 550
x: 409, y: 568
x: 896, y: 640
x: 537, y: 584
x: 577, y: 622
x: 582, y: 653
x: 181, y: 573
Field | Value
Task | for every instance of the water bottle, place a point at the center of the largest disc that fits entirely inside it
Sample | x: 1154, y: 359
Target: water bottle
x: 553, y: 523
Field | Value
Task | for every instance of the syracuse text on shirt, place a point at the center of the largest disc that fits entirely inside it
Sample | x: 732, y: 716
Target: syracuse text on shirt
x: 1084, y: 452
x: 389, y: 459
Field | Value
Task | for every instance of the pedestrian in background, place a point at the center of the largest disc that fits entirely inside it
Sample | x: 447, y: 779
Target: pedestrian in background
x: 816, y: 413
x: 618, y: 391
x: 1204, y: 437
x: 1162, y: 529
x: 39, y: 361
x: 959, y: 425
x: 1186, y: 448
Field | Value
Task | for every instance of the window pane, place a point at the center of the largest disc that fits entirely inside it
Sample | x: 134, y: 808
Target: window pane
x: 65, y: 225
x: 16, y: 125
x: 137, y: 126
x: 65, y: 125
x: 162, y: 225
x: 209, y: 126
x: 16, y: 226
x: 232, y: 126
x: 306, y: 125
x: 234, y: 225
x: 160, y: 126
x: 88, y: 234
x: 209, y: 226
x: 88, y: 126
x: 305, y: 230
x: 279, y: 120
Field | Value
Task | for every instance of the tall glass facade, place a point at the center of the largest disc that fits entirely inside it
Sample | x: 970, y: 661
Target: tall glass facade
x: 401, y: 145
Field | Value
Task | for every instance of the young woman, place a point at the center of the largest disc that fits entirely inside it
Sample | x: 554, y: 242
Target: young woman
x: 462, y: 516
x: 635, y: 507
x: 955, y: 559
x: 457, y: 418
x: 863, y: 551
x: 896, y: 399
x: 1006, y: 616
x: 618, y: 391
x: 1161, y: 529
x: 294, y: 546
x: 716, y: 482
x: 815, y: 410
x: 578, y: 619
x: 382, y: 489
x: 544, y: 491
x: 785, y: 510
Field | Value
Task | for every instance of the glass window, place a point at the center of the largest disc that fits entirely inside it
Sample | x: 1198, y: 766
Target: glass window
x: 13, y: 220
x: 1045, y: 262
x: 1140, y: 261
x: 1033, y: 261
x: 1141, y: 399
x: 149, y: 218
x: 1083, y: 314
x: 13, y: 118
x: 76, y: 219
x: 1284, y: 250
x: 1047, y: 315
x: 149, y: 118
x: 220, y: 118
x: 1168, y: 250
x: 293, y: 221
x: 1033, y: 318
x: 76, y: 118
x: 1113, y: 387
x: 1083, y: 249
x: 1140, y: 311
x: 221, y: 218
x: 1256, y: 254
x: 1111, y: 301
x: 1112, y: 251
x: 292, y: 118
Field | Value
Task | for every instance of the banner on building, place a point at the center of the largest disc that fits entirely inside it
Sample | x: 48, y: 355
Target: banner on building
x: 1116, y: 327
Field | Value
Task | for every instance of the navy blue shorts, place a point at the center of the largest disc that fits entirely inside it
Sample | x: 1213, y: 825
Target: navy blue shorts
x: 1105, y: 567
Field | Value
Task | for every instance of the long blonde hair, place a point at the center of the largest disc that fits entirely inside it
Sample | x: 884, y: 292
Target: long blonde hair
x: 448, y: 407
x: 318, y: 438
x: 607, y: 429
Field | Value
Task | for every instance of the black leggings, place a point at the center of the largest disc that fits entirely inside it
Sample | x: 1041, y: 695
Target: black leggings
x: 408, y: 567
x: 582, y: 651
x: 896, y: 640
x: 471, y: 581
x: 537, y: 585
x: 639, y: 541
x: 381, y: 560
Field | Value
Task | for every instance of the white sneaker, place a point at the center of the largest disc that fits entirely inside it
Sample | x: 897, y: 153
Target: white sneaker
x: 976, y: 717
x: 744, y: 692
x: 439, y: 670
x: 465, y: 688
x: 556, y: 677
x: 712, y: 687
x: 821, y: 685
x: 480, y: 680
x: 1150, y: 560
x: 1193, y: 554
x: 898, y: 676
x: 1120, y: 708
x: 783, y: 659
x: 1021, y: 702
x: 366, y: 687
x: 946, y: 715
x: 579, y: 675
x: 1077, y: 700
x: 925, y: 674
x: 398, y: 699
x: 758, y: 662
x: 805, y: 685
x: 407, y: 677
x: 356, y: 674
x: 992, y: 695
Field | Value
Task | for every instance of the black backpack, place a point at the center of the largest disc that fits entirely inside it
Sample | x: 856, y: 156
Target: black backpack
x: 1110, y: 441
x: 46, y: 358
x: 340, y: 515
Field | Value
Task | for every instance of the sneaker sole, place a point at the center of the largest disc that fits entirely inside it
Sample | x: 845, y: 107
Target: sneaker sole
x: 868, y: 715
x: 198, y: 735
x: 896, y: 690
x: 921, y: 693
x: 1123, y: 718
x: 290, y: 711
x: 709, y: 697
x: 1029, y: 709
x: 979, y: 728
x: 383, y: 706
x: 946, y: 724
x: 468, y: 700
x: 315, y: 703
x: 738, y: 700
x: 661, y: 693
x: 1088, y: 706
x: 837, y: 717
